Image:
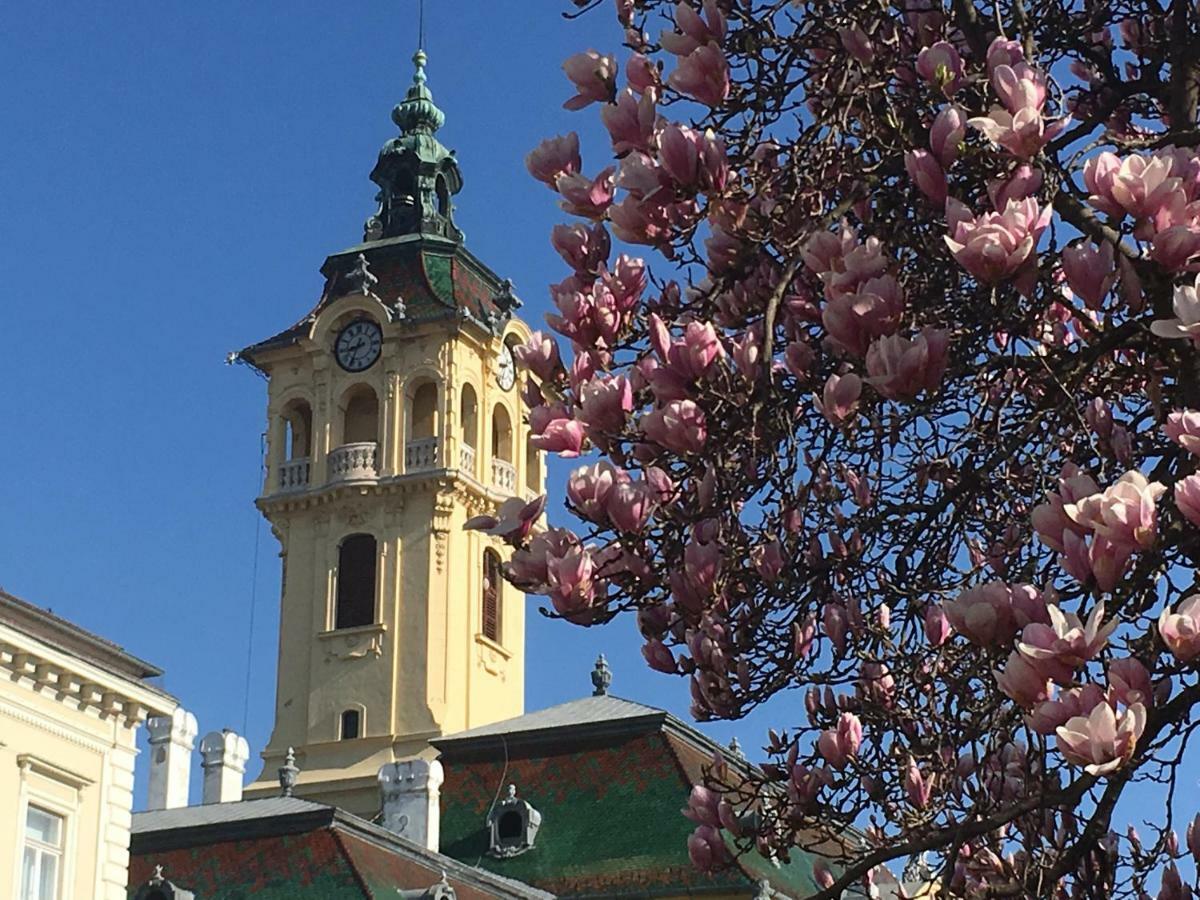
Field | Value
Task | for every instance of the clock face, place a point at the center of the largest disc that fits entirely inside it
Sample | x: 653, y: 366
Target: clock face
x: 358, y: 345
x: 506, y: 368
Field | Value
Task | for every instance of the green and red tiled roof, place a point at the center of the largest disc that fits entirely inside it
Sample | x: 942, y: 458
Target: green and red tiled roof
x: 611, y: 809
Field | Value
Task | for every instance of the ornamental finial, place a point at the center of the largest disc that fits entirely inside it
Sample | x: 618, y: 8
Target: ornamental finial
x: 417, y: 113
x: 601, y: 677
x: 289, y: 773
x: 735, y: 748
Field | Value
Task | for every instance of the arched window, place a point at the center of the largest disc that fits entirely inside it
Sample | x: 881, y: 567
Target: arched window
x: 533, y: 466
x: 355, y: 582
x: 351, y: 725
x: 491, y: 595
x: 501, y: 434
x: 297, y: 420
x: 469, y: 414
x: 360, y: 423
x: 424, y: 411
x: 443, y: 195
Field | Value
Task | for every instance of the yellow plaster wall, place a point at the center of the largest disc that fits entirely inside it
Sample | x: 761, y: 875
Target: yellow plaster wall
x: 68, y: 745
x: 424, y: 668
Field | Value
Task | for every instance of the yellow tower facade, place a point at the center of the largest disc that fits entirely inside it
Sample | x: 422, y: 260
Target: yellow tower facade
x: 394, y: 416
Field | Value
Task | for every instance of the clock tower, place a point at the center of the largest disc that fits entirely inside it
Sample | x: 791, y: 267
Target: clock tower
x: 393, y: 417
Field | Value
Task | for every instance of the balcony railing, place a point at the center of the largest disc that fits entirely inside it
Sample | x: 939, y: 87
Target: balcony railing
x: 504, y: 475
x: 353, y: 462
x: 466, y: 459
x: 293, y: 475
x: 421, y: 455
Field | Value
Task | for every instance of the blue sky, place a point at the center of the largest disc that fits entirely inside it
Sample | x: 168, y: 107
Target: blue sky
x: 172, y: 177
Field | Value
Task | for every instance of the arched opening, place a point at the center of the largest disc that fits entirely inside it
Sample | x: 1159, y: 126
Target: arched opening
x: 297, y: 424
x: 491, y: 595
x: 501, y: 434
x: 443, y: 196
x: 351, y: 725
x: 355, y: 603
x: 360, y: 417
x: 469, y: 414
x: 533, y: 466
x: 424, y: 411
x: 510, y: 826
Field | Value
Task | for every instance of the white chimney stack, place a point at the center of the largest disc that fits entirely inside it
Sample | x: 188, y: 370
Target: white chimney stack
x: 412, y: 800
x: 223, y: 757
x: 172, y: 739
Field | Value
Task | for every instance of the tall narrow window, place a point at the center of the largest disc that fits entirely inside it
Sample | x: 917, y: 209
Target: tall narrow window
x: 297, y: 417
x: 355, y: 582
x: 351, y: 724
x: 533, y: 466
x: 41, y: 863
x: 491, y: 595
x: 424, y: 411
x: 360, y: 423
x: 469, y: 414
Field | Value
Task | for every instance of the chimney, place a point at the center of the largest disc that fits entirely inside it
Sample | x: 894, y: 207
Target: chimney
x: 223, y: 757
x: 411, y: 799
x: 172, y: 739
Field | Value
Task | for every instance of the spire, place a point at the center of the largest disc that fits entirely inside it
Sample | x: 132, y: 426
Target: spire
x: 417, y: 113
x: 416, y: 175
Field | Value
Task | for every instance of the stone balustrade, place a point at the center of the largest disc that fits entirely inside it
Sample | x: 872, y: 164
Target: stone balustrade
x: 466, y: 459
x: 421, y: 455
x: 294, y: 475
x: 504, y: 475
x: 354, y: 462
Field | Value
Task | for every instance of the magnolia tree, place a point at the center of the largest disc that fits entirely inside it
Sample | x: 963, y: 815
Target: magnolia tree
x: 897, y: 413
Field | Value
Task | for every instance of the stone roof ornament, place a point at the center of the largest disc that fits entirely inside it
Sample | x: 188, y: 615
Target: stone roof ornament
x: 158, y: 888
x: 289, y: 774
x: 512, y: 826
x: 735, y: 749
x: 601, y: 677
x: 358, y: 278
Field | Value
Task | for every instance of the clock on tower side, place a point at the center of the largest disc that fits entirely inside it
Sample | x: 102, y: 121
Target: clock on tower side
x: 392, y: 420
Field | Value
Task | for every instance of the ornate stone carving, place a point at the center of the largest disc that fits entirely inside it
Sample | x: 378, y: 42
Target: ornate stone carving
x: 358, y: 278
x: 353, y: 645
x: 355, y: 514
x: 513, y: 826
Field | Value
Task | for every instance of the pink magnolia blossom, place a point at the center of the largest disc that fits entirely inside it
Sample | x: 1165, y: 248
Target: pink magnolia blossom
x: 594, y: 77
x: 983, y: 614
x: 703, y: 75
x: 569, y: 580
x: 1024, y: 181
x: 936, y: 625
x: 926, y: 174
x: 586, y: 197
x: 768, y: 560
x: 554, y: 157
x: 995, y: 246
x: 679, y: 426
x: 1187, y: 498
x: 1046, y: 717
x: 854, y: 320
x: 941, y: 66
x: 1193, y: 838
x: 900, y: 368
x: 1177, y: 247
x: 539, y: 354
x: 1180, y: 630
x: 1050, y: 519
x: 588, y: 489
x: 631, y: 122
x: 1090, y: 271
x: 605, y: 404
x: 1019, y: 86
x: 637, y: 221
x: 1186, y: 324
x: 692, y: 30
x: 1095, y: 559
x: 840, y: 398
x: 1004, y: 52
x: 1124, y: 513
x: 694, y: 354
x: 582, y: 248
x: 947, y: 132
x: 839, y: 745
x: 693, y: 160
x: 562, y: 436
x: 1137, y: 185
x: 1102, y: 742
x: 706, y: 849
x: 834, y: 621
x: 1057, y: 650
x: 1022, y: 682
x: 857, y: 44
x: 1023, y: 133
x: 642, y: 74
x: 659, y: 657
x: 1129, y: 682
x: 918, y: 786
x: 514, y: 522
x: 631, y: 504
